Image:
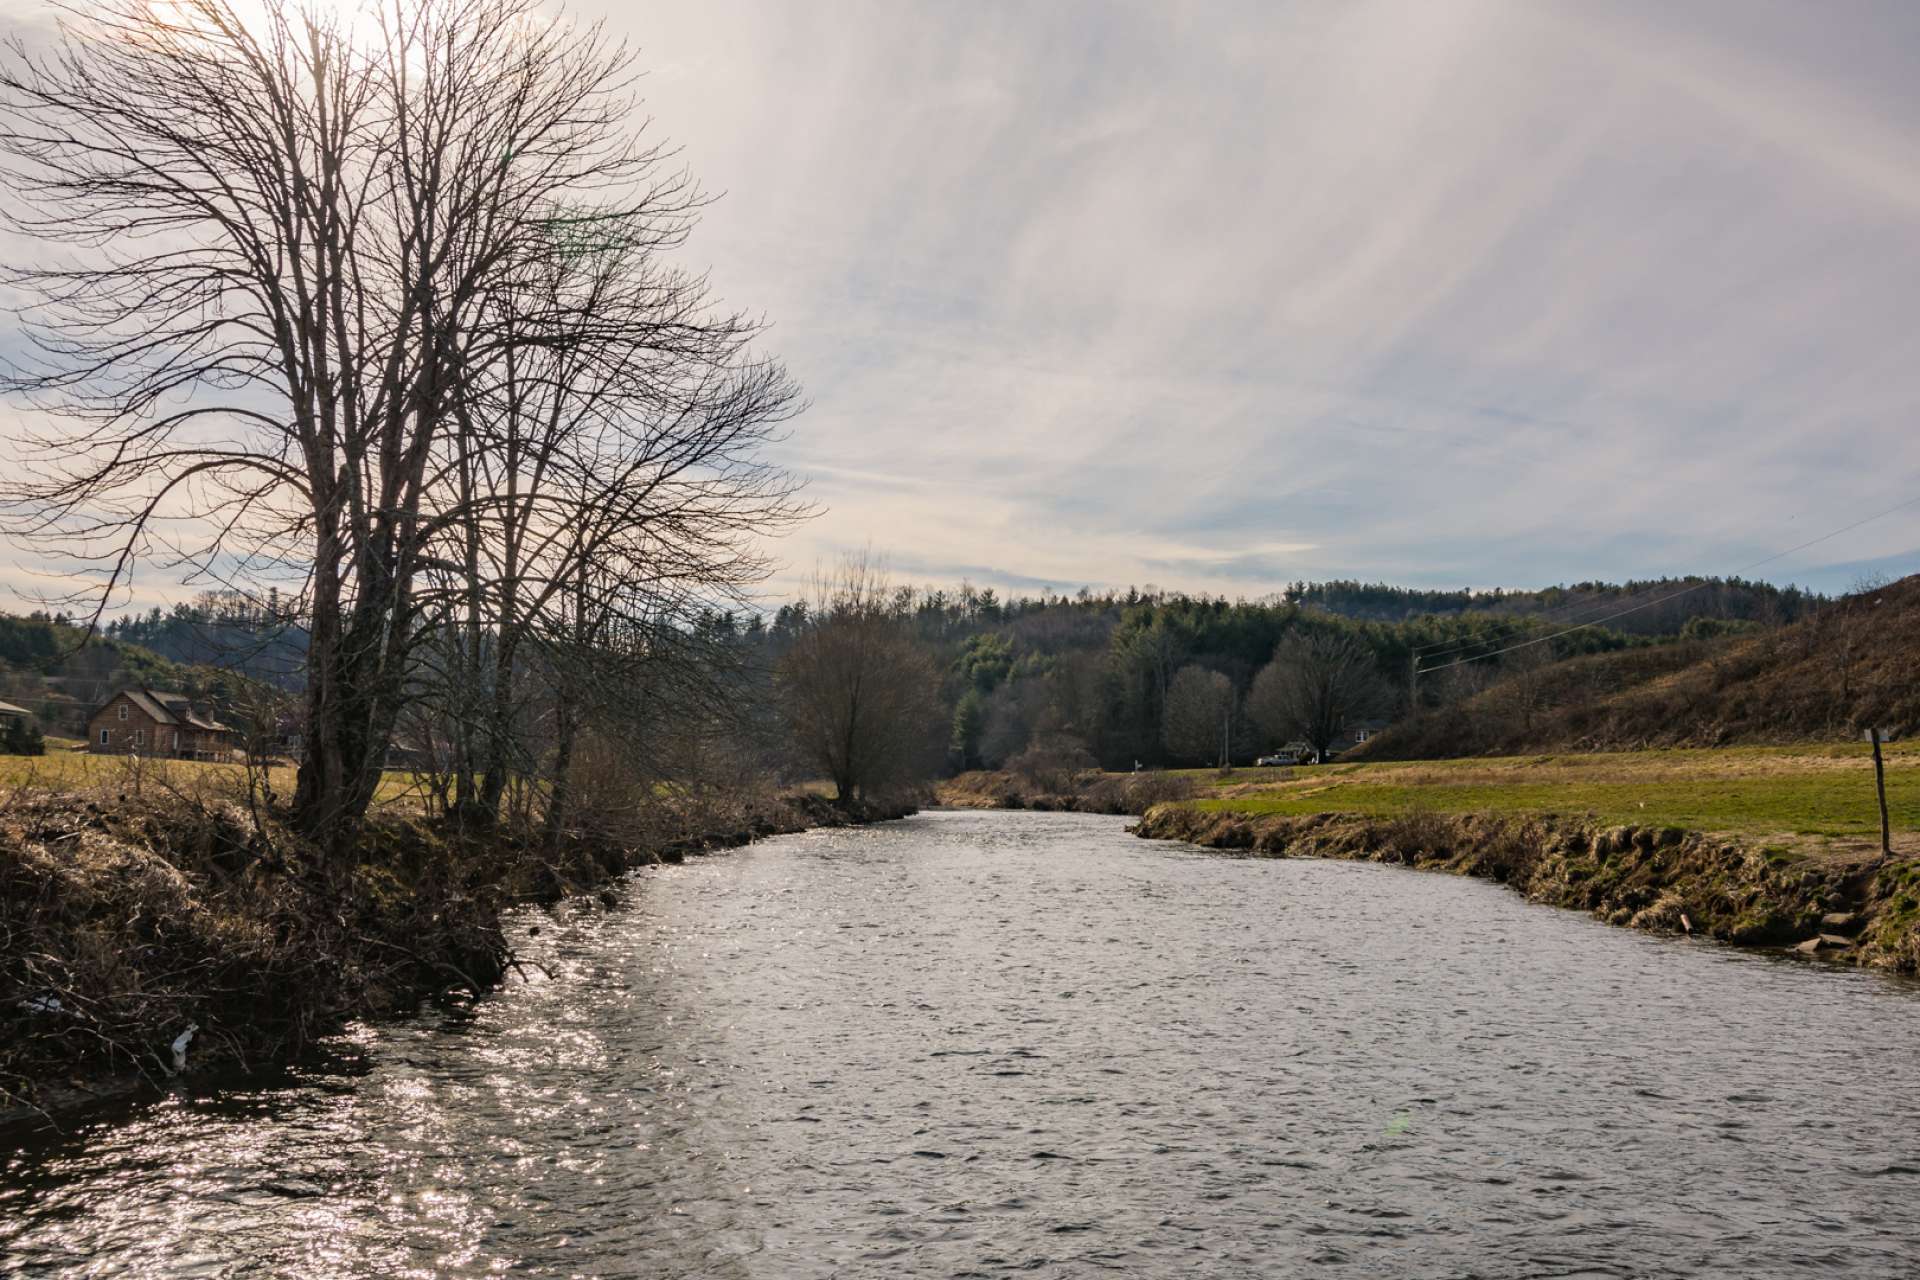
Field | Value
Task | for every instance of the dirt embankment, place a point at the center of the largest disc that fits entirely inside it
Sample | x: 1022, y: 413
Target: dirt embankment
x: 1845, y: 906
x: 130, y: 926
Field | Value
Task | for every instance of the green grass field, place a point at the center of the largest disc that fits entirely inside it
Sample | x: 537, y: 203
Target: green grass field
x: 1789, y: 792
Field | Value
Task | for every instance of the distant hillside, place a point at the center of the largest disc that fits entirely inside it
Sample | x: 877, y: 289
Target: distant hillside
x: 222, y: 630
x: 1661, y: 606
x: 1848, y: 663
x: 53, y: 670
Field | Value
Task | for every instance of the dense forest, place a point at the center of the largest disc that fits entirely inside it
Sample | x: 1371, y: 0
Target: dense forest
x: 1097, y: 672
x: 1660, y: 606
x: 1096, y: 675
x: 229, y: 630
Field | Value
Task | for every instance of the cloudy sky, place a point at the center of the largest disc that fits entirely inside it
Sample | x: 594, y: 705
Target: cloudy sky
x: 1217, y: 296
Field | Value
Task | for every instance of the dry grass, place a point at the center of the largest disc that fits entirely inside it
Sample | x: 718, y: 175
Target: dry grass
x: 63, y: 771
x: 128, y: 920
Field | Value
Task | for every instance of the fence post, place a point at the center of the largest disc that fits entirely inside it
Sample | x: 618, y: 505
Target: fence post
x: 1880, y: 786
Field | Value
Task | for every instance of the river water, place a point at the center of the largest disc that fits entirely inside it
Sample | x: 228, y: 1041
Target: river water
x: 989, y: 1044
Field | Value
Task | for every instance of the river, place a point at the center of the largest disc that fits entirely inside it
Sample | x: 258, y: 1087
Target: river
x: 980, y: 1044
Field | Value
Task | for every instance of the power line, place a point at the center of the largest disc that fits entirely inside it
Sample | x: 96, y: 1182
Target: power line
x: 1778, y: 555
x: 1440, y: 648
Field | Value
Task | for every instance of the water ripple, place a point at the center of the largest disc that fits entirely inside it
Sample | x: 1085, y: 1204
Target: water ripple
x: 994, y: 1044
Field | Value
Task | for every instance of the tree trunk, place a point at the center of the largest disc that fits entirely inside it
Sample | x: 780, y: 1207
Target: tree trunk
x: 561, y: 791
x: 346, y: 746
x: 317, y: 786
x: 351, y: 706
x: 499, y: 731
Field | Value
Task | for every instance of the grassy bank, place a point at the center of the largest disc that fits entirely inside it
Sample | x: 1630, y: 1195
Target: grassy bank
x: 1795, y: 797
x: 128, y: 918
x: 1766, y: 846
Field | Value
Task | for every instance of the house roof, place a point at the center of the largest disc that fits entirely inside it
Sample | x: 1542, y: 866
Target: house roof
x: 148, y: 703
x: 8, y: 709
x: 170, y: 708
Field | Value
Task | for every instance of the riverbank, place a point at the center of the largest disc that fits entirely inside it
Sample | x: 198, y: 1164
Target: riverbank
x: 1839, y: 902
x: 1122, y: 794
x: 1760, y: 846
x: 132, y: 924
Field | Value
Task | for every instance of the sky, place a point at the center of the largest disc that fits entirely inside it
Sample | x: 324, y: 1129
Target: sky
x: 1218, y: 296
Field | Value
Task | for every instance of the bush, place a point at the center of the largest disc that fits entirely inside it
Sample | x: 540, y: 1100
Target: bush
x: 1135, y: 793
x: 1053, y: 763
x: 22, y: 737
x: 1415, y: 835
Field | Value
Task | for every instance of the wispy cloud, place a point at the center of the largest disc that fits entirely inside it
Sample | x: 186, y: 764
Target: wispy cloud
x: 1218, y: 295
x: 1436, y: 291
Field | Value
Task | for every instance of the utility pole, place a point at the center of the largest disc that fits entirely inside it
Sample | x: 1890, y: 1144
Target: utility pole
x: 1880, y: 785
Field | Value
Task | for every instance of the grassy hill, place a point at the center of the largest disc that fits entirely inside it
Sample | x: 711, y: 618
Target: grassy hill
x: 1853, y: 662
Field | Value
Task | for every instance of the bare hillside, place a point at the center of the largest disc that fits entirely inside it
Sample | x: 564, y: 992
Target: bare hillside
x: 1853, y: 663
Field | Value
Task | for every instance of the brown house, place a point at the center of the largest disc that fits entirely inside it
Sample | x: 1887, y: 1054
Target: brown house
x: 166, y: 725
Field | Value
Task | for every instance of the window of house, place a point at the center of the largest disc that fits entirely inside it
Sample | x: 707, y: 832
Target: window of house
x: 139, y: 737
x: 176, y: 739
x: 122, y: 709
x: 104, y: 734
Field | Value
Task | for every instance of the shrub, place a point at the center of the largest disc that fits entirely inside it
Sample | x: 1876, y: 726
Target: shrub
x: 21, y: 737
x: 1135, y: 793
x: 1418, y: 833
x: 1053, y: 763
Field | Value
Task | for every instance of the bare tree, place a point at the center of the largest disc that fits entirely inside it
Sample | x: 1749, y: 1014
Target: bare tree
x: 1199, y: 708
x: 309, y: 257
x: 619, y: 433
x: 1318, y: 685
x: 859, y: 693
x: 1459, y: 683
x: 1525, y: 684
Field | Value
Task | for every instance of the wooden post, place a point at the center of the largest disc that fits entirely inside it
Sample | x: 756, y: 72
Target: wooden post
x: 1880, y: 785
